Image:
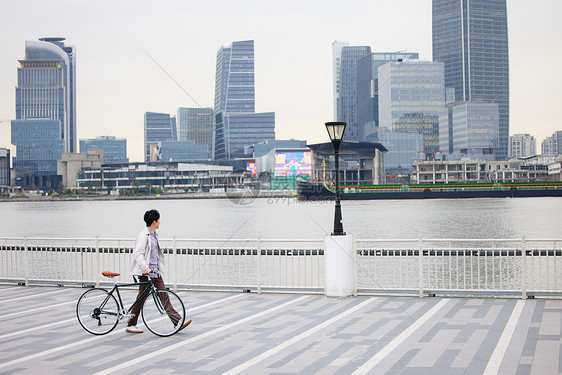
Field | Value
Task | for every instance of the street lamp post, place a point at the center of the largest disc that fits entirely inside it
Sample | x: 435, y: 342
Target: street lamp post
x: 335, y: 131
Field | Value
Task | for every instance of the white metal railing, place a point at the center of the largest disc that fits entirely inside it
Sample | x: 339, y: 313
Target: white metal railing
x: 202, y: 263
x: 461, y: 266
x: 413, y: 266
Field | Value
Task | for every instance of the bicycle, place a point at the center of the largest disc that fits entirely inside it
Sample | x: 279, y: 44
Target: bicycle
x: 99, y: 312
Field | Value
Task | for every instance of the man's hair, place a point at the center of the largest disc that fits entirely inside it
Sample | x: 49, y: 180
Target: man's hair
x: 150, y: 217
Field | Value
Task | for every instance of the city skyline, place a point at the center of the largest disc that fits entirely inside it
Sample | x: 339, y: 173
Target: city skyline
x: 118, y: 79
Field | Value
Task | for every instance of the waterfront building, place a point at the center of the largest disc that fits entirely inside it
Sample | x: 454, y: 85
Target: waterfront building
x: 195, y: 124
x: 470, y: 38
x: 522, y: 145
x: 347, y: 108
x: 469, y: 130
x: 70, y: 165
x: 367, y: 86
x: 114, y: 149
x: 260, y: 149
x: 555, y: 169
x: 45, y: 106
x: 411, y: 96
x: 158, y: 127
x: 552, y: 145
x: 5, y: 167
x: 465, y: 171
x: 168, y: 176
x: 403, y: 149
x: 235, y: 123
x: 182, y: 151
x: 38, y: 145
x: 361, y: 163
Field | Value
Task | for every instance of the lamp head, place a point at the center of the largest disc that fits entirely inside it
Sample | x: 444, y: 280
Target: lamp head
x: 336, y: 130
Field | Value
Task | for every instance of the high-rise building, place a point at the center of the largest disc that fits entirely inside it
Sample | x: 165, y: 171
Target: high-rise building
x: 114, y: 149
x: 45, y: 124
x: 522, y: 145
x: 4, y: 167
x: 235, y: 123
x: 158, y: 127
x: 194, y: 124
x: 367, y: 87
x: 552, y: 145
x: 336, y: 67
x: 347, y: 91
x: 411, y: 96
x: 469, y: 129
x: 470, y: 38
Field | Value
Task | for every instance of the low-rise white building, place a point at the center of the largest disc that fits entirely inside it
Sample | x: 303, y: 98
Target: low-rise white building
x: 463, y: 171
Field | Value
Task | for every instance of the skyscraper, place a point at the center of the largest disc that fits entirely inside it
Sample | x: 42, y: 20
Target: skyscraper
x: 367, y: 83
x: 347, y: 91
x: 45, y: 124
x: 158, y: 127
x: 336, y: 66
x: 470, y: 38
x: 411, y: 97
x: 235, y: 123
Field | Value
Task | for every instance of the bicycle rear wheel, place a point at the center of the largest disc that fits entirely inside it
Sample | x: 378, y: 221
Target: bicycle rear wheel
x: 97, y: 311
x: 163, y: 312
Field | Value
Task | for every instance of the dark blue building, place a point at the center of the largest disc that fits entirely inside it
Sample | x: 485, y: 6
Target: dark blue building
x: 235, y: 123
x: 158, y: 127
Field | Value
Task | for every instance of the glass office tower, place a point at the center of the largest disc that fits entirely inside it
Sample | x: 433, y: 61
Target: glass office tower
x: 470, y: 38
x: 235, y: 123
x: 114, y: 149
x: 45, y: 106
x: 194, y: 124
x: 411, y: 97
x: 368, y: 87
x: 158, y: 127
x: 347, y: 100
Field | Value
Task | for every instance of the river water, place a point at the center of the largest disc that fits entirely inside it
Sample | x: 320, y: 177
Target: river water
x: 278, y: 218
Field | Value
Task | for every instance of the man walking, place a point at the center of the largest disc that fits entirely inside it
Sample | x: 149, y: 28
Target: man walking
x: 148, y: 261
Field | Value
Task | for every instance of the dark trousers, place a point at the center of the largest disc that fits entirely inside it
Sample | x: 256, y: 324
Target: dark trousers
x: 158, y: 284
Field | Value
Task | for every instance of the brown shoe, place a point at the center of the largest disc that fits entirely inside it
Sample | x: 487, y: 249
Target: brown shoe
x: 185, y: 325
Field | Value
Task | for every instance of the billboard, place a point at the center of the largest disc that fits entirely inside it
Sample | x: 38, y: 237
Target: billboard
x: 251, y: 166
x: 289, y: 164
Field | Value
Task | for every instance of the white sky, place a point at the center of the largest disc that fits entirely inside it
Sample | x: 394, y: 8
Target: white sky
x: 117, y: 82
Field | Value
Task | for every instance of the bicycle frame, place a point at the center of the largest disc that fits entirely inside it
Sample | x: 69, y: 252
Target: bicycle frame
x: 122, y: 312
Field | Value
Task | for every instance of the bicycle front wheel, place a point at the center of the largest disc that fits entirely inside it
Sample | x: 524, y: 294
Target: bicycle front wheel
x: 163, y: 312
x: 97, y: 311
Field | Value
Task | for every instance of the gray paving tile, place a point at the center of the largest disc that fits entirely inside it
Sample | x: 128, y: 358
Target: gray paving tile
x: 459, y: 338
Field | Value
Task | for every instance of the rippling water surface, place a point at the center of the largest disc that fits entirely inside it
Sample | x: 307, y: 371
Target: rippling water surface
x: 288, y: 218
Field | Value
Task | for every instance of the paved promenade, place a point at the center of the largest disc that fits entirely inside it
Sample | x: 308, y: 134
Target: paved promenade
x: 243, y: 333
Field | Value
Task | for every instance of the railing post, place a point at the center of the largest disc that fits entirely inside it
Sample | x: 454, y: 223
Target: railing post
x: 259, y: 266
x: 354, y: 265
x: 523, y: 268
x: 98, y: 260
x: 26, y: 256
x: 175, y: 257
x: 420, y: 265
